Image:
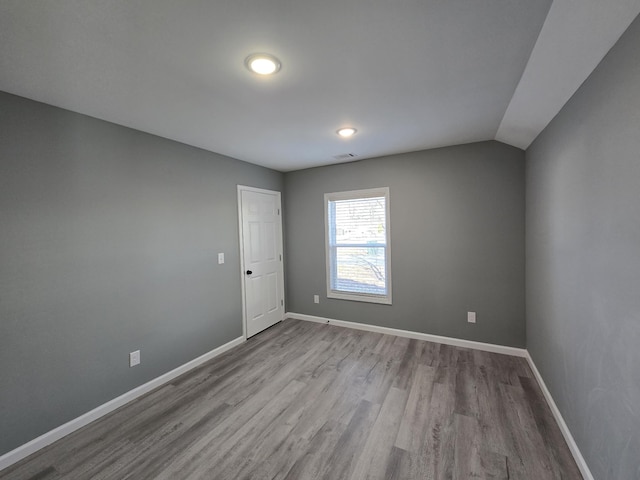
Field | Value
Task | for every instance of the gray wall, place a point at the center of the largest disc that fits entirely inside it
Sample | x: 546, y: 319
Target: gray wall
x: 108, y: 243
x: 457, y: 234
x: 583, y: 262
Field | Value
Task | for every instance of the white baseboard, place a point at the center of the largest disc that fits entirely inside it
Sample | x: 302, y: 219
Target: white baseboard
x: 575, y: 451
x: 48, y: 438
x: 456, y: 342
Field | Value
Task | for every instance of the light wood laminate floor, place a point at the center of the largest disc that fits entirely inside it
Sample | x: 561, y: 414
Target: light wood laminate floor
x: 312, y: 401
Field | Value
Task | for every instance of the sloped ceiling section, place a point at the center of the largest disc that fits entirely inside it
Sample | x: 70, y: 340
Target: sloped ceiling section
x: 575, y: 37
x: 408, y: 74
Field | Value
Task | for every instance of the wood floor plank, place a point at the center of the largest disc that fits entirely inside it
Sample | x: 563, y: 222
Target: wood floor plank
x: 495, y: 466
x: 311, y: 464
x: 466, y: 401
x: 343, y: 458
x: 439, y: 451
x: 401, y: 465
x: 345, y: 404
x: 373, y: 459
x: 413, y: 426
x: 408, y: 365
x: 210, y: 451
x: 492, y: 420
x: 528, y: 444
x: 256, y: 440
x: 150, y: 465
x: 550, y: 432
x: 467, y: 451
x: 296, y: 426
x: 312, y: 401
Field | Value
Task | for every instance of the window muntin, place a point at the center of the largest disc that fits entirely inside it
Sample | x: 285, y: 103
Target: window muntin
x: 357, y: 243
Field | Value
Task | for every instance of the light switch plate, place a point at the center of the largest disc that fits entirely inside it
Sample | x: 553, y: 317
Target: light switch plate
x: 220, y: 258
x: 471, y: 317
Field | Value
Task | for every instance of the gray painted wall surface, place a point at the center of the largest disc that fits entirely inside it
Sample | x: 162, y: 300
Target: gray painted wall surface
x: 457, y: 234
x: 108, y: 243
x: 583, y: 262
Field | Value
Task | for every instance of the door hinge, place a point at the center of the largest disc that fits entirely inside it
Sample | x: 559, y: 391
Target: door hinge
x: 282, y: 302
x: 278, y: 211
x: 280, y: 257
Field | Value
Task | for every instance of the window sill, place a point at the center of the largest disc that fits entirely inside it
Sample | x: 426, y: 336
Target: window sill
x: 360, y: 298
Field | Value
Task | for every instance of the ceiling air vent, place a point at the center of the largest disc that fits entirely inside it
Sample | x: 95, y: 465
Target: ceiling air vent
x: 345, y: 156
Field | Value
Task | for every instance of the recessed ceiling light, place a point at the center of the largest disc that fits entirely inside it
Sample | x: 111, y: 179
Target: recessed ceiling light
x: 262, y: 63
x: 347, y: 132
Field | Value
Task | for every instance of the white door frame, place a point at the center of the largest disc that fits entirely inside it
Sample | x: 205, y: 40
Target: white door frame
x: 245, y: 188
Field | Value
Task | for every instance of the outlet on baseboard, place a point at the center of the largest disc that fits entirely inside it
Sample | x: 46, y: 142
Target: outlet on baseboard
x: 316, y: 299
x: 471, y: 317
x: 134, y: 358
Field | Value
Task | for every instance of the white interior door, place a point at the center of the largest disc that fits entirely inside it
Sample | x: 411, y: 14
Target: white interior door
x: 261, y: 252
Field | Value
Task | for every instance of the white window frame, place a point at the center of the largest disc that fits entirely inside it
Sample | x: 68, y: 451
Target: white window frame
x: 351, y: 195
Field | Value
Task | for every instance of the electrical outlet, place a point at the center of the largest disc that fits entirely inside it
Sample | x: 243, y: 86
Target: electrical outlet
x: 134, y: 358
x: 471, y: 317
x: 220, y: 258
x: 316, y: 299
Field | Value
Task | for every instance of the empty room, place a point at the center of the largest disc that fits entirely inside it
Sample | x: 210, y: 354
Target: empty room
x: 327, y: 239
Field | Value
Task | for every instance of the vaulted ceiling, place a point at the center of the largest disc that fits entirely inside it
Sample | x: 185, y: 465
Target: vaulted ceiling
x: 408, y: 74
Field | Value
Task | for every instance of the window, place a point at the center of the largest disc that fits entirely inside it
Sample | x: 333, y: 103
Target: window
x: 357, y: 241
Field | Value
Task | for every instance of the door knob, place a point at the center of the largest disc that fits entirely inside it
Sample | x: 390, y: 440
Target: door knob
x: 249, y: 272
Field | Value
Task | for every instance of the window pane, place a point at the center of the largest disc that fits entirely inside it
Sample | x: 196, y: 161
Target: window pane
x: 359, y: 221
x: 360, y: 270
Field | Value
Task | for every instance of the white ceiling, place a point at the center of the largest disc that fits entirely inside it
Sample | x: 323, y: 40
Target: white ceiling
x: 408, y: 74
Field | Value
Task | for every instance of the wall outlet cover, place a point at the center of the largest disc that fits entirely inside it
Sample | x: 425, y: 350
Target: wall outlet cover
x: 471, y: 317
x: 316, y: 299
x: 134, y: 358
